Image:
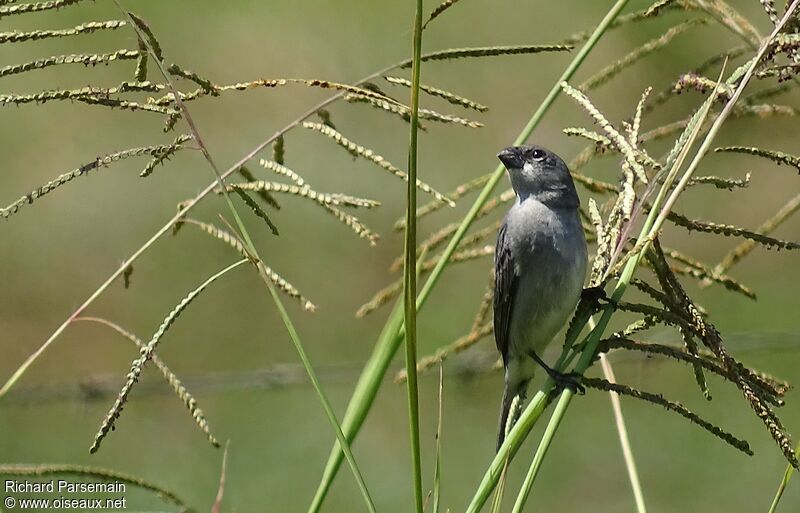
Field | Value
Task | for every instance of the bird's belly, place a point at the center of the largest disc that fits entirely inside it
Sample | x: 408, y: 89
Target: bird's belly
x: 546, y: 300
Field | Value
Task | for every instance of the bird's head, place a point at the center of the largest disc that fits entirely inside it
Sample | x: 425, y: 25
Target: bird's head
x: 540, y: 174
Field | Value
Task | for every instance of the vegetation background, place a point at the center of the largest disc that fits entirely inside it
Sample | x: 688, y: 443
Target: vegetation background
x: 57, y: 253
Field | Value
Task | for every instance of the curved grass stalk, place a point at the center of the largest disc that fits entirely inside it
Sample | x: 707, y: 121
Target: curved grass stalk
x: 223, y: 473
x: 361, y: 151
x: 441, y: 8
x: 83, y: 58
x: 155, y: 151
x: 743, y: 249
x: 448, y: 96
x: 84, y: 28
x: 729, y: 18
x: 613, y: 69
x: 778, y: 157
x: 186, y: 397
x: 486, y: 51
x: 146, y: 354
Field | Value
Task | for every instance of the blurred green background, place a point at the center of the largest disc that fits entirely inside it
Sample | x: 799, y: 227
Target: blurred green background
x: 58, y: 250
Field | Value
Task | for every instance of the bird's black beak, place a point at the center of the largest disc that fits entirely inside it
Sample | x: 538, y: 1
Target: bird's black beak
x: 511, y: 158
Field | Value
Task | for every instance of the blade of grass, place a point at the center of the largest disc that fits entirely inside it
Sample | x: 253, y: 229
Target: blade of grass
x: 538, y: 458
x: 497, y: 500
x: 343, y: 442
x: 410, y: 264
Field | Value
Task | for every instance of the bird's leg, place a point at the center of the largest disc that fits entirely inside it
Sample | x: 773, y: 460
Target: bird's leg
x: 563, y: 380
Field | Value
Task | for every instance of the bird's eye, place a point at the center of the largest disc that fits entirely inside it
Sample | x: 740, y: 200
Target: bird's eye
x: 537, y: 155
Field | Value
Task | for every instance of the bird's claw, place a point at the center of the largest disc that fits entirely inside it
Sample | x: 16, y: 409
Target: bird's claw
x: 595, y: 295
x: 571, y: 380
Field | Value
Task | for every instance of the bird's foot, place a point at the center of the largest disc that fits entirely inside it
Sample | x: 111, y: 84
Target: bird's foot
x: 571, y: 380
x: 596, y: 295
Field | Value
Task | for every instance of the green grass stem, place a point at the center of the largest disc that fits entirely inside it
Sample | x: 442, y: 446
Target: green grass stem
x: 410, y: 263
x: 781, y: 488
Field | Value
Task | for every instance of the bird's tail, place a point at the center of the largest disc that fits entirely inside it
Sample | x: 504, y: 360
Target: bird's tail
x: 512, y: 389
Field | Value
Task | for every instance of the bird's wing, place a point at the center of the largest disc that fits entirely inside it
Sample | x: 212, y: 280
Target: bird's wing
x: 505, y: 287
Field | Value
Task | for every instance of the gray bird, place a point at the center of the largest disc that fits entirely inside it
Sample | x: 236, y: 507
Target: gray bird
x: 540, y: 265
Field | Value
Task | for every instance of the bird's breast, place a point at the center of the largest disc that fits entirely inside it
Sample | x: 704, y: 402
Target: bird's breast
x: 551, y: 259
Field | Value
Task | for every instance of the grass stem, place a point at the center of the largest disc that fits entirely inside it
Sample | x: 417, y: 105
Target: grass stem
x: 410, y: 263
x: 781, y: 488
x: 622, y: 431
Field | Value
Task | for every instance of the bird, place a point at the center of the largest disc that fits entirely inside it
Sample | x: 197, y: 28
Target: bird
x: 540, y: 266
